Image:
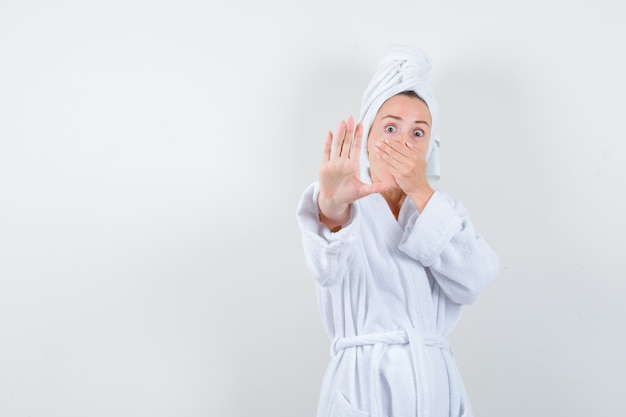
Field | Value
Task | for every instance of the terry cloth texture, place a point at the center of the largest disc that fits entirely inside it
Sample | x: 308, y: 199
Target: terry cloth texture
x: 390, y: 292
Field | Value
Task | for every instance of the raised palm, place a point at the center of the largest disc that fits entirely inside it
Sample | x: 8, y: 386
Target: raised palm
x: 339, y: 180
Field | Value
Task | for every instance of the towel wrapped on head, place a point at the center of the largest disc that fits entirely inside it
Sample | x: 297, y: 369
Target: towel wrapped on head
x: 401, y: 68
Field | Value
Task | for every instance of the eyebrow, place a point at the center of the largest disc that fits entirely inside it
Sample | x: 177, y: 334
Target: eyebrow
x: 391, y: 116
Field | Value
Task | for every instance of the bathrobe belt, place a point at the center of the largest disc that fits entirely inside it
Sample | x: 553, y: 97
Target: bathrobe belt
x: 418, y: 343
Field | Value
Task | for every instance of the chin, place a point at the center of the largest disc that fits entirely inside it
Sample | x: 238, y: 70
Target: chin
x: 393, y: 185
x: 386, y: 178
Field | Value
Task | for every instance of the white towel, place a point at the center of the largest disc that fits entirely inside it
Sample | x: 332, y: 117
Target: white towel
x: 401, y: 68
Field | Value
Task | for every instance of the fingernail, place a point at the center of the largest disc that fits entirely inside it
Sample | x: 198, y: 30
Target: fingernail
x: 386, y: 140
x: 410, y: 145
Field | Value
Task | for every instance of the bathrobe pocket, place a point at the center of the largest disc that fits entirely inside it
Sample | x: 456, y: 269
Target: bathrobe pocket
x: 341, y: 407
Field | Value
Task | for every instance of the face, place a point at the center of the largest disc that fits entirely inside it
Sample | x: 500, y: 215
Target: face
x: 400, y: 118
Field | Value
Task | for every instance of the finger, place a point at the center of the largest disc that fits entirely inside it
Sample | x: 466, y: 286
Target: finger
x: 327, y: 145
x: 355, y: 151
x: 403, y: 148
x: 401, y: 168
x: 347, y: 142
x: 390, y: 155
x: 339, y: 139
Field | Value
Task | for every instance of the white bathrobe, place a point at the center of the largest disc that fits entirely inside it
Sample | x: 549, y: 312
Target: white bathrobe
x: 390, y: 292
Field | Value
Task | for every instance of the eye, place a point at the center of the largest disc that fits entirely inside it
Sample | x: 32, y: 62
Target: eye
x: 390, y: 129
x: 418, y: 132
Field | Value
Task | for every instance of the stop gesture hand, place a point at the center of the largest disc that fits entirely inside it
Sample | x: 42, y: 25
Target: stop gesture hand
x: 339, y: 180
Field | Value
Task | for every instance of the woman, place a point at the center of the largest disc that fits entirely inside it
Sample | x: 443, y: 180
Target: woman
x: 394, y: 259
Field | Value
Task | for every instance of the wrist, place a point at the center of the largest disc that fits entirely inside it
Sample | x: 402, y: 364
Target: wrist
x: 421, y: 197
x: 333, y: 215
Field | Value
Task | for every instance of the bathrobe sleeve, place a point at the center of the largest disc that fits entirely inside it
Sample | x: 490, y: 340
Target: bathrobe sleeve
x: 328, y: 255
x: 442, y: 238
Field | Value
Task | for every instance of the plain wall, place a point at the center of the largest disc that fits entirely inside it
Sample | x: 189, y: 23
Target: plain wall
x: 152, y: 155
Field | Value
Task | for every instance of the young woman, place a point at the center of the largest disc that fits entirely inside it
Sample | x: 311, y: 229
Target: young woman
x: 394, y: 258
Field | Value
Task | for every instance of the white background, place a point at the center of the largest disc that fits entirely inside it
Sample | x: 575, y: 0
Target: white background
x: 152, y: 155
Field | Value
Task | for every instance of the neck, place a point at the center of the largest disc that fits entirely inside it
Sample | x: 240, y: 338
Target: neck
x: 394, y: 198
